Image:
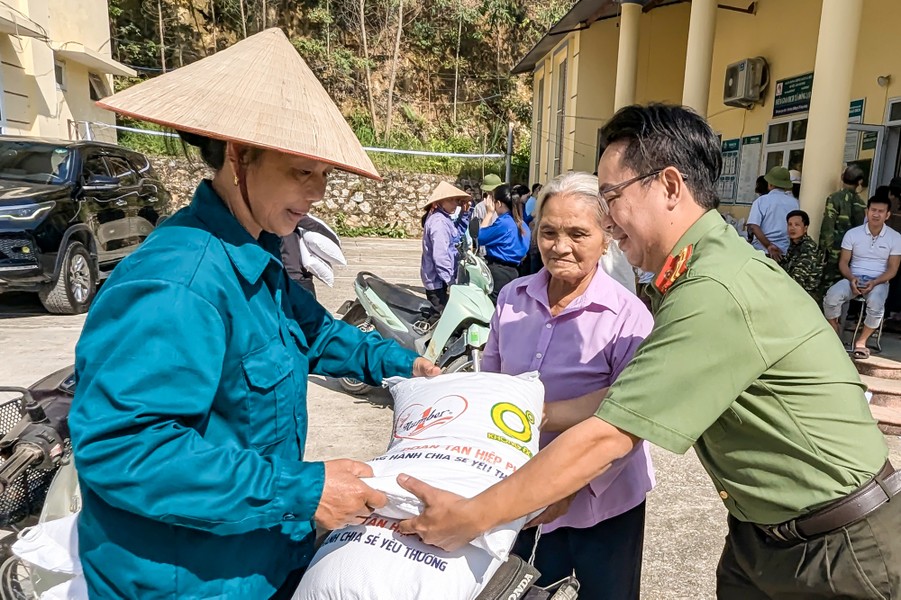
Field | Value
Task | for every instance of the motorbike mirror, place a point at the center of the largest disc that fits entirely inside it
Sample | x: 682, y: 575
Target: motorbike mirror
x: 474, y: 229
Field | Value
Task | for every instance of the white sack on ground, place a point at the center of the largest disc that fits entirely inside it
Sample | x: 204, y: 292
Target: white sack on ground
x: 463, y: 433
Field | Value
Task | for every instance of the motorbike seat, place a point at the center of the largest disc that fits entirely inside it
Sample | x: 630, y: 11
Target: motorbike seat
x: 398, y: 297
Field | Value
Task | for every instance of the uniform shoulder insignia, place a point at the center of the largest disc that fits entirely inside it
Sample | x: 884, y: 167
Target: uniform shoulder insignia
x: 673, y: 269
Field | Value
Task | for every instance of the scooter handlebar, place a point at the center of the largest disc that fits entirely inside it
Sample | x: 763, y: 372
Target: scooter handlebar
x: 23, y: 457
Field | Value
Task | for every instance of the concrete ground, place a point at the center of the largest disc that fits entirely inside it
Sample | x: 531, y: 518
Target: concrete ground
x: 686, y: 520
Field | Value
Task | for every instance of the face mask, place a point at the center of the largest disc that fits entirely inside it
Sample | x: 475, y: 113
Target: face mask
x: 456, y: 212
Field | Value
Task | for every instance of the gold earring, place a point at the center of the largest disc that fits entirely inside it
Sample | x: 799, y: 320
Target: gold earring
x: 237, y: 183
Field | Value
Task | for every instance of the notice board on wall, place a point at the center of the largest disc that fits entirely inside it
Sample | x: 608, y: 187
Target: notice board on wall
x: 727, y: 184
x: 749, y: 167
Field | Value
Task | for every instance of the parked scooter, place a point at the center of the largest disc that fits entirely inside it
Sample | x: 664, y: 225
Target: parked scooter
x: 37, y: 476
x: 454, y: 341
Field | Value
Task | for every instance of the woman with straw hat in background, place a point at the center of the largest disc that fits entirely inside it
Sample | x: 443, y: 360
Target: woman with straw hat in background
x: 440, y: 236
x: 190, y: 418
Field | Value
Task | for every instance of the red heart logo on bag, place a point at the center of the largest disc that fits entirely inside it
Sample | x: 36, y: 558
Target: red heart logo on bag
x: 416, y: 419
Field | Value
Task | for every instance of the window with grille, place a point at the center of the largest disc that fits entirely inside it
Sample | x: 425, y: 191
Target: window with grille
x: 539, y: 126
x: 561, y: 117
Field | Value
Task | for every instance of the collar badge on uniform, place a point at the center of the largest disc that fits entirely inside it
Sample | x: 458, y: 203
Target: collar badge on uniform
x: 673, y: 269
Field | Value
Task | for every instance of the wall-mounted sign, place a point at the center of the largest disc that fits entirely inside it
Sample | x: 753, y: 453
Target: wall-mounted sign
x: 855, y: 110
x: 793, y: 95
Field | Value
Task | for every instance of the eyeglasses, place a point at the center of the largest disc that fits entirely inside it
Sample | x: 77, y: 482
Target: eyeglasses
x: 603, y: 194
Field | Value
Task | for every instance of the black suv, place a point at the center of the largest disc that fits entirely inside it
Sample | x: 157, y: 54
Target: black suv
x: 69, y: 212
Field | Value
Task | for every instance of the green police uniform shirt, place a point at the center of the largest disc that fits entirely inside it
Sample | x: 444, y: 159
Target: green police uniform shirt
x: 742, y: 365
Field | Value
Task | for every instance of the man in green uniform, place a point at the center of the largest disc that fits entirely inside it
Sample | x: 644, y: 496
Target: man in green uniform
x: 844, y: 210
x: 741, y: 366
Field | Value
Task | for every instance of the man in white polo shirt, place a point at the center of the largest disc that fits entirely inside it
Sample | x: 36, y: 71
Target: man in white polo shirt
x: 870, y: 257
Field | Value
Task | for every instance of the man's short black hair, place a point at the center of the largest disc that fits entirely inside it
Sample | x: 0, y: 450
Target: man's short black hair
x: 536, y: 187
x: 665, y: 135
x: 879, y: 200
x: 805, y: 218
x: 853, y: 175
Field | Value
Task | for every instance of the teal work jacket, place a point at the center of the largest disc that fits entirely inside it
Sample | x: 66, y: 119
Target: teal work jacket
x: 190, y: 416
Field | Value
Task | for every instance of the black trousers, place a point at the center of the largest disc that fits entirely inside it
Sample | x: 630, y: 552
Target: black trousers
x: 502, y: 273
x: 862, y: 560
x: 438, y: 297
x: 606, y: 557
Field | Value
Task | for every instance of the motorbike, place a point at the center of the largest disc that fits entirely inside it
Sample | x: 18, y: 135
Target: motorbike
x: 453, y: 340
x: 37, y: 476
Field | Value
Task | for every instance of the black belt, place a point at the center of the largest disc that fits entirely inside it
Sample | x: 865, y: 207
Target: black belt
x: 842, y: 512
x: 496, y: 261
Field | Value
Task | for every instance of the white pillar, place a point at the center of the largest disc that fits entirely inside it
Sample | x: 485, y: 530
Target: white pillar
x: 627, y: 55
x: 699, y: 56
x: 827, y: 123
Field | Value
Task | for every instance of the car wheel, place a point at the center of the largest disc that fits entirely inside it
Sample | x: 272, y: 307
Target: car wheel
x: 75, y: 285
x: 357, y: 317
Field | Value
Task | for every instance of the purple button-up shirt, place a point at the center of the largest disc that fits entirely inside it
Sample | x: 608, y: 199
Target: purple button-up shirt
x: 581, y: 350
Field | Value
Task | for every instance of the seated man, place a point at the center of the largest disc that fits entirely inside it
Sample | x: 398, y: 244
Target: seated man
x: 800, y: 262
x: 870, y: 257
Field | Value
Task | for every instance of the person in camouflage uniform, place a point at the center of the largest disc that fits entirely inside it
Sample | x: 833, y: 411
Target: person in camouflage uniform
x: 801, y: 261
x: 844, y: 210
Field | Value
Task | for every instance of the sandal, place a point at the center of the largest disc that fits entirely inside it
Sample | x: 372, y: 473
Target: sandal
x: 860, y: 353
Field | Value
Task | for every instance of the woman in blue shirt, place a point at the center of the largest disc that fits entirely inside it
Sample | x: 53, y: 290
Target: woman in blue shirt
x: 504, y: 236
x: 190, y: 418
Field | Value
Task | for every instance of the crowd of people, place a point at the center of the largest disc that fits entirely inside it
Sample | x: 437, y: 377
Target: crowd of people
x: 858, y: 252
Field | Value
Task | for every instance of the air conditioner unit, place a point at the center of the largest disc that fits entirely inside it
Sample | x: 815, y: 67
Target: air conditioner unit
x: 746, y: 81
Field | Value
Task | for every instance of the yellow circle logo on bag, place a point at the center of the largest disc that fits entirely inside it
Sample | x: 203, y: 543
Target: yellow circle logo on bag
x: 510, y: 419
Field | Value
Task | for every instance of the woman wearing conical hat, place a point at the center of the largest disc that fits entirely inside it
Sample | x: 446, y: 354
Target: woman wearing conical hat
x: 440, y: 235
x: 190, y: 418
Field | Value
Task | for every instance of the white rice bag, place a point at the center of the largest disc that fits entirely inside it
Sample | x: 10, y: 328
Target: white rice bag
x: 373, y: 561
x: 463, y: 433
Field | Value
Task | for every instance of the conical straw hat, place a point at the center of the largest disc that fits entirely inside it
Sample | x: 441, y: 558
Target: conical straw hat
x: 259, y: 92
x: 444, y: 191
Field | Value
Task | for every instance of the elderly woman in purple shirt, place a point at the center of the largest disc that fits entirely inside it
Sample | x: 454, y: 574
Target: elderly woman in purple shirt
x: 578, y: 328
x: 441, y: 232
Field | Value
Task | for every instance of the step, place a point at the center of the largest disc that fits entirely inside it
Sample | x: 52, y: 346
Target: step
x: 877, y: 366
x: 889, y: 419
x: 886, y: 392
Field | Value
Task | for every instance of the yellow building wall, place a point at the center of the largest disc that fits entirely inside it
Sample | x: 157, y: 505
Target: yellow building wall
x: 662, y: 42
x: 32, y: 102
x: 549, y: 68
x: 785, y: 33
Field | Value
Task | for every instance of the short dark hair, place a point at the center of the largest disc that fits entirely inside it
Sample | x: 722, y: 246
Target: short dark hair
x: 878, y: 200
x: 761, y: 186
x: 536, y: 187
x: 665, y: 135
x: 805, y: 218
x: 853, y: 175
